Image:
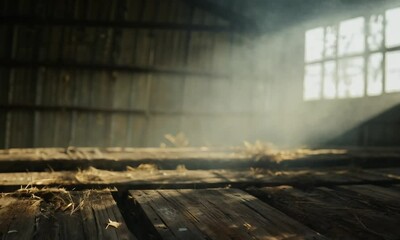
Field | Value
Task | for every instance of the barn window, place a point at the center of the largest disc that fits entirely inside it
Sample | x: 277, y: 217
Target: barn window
x: 351, y: 77
x: 312, y: 82
x: 351, y: 37
x: 375, y: 74
x: 393, y: 71
x: 353, y: 58
x: 392, y: 28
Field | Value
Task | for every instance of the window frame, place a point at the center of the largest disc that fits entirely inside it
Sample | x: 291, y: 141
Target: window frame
x: 365, y: 55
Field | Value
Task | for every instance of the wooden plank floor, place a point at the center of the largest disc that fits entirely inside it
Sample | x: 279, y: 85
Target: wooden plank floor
x: 349, y: 212
x: 283, y: 212
x: 58, y: 214
x: 247, y: 201
x: 17, y: 217
x: 216, y: 214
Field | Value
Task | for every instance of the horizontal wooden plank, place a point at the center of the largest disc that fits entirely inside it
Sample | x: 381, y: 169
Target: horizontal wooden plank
x: 101, y: 67
x: 111, y: 110
x: 216, y: 214
x: 40, y: 159
x: 383, y: 198
x: 34, y: 21
x: 117, y: 154
x: 387, y: 172
x: 148, y: 176
x: 196, y: 152
x: 57, y: 214
x: 334, y: 213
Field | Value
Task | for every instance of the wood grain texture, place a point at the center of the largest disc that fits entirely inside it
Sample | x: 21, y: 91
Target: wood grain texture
x: 191, y: 178
x: 336, y: 213
x: 383, y: 198
x: 216, y: 214
x: 17, y: 217
x: 58, y: 214
x: 71, y: 158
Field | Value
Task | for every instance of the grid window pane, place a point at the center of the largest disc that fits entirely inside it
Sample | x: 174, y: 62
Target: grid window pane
x: 375, y: 75
x: 393, y: 27
x: 375, y: 35
x: 392, y: 83
x: 330, y: 80
x: 312, y: 82
x: 314, y: 44
x: 356, y: 57
x: 351, y: 36
x: 351, y: 77
x: 330, y: 41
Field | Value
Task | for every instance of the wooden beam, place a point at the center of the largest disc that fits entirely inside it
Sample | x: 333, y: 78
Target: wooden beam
x: 110, y: 110
x: 106, y: 67
x: 237, y: 20
x: 35, y: 21
x: 151, y: 178
x: 198, y: 158
x: 49, y: 108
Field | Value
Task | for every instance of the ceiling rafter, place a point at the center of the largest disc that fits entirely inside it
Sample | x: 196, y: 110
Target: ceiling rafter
x: 36, y: 21
x: 236, y: 19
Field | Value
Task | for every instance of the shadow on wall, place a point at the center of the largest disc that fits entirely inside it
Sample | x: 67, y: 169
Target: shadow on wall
x: 381, y: 130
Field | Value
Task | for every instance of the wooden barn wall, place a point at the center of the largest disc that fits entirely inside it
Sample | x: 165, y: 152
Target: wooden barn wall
x: 46, y: 104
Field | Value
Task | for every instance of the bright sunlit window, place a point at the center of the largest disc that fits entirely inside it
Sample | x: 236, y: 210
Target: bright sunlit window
x: 351, y: 36
x: 329, y: 80
x: 392, y: 83
x: 353, y: 58
x: 392, y: 27
x: 314, y: 44
x: 375, y: 74
x: 312, y: 82
x: 351, y: 77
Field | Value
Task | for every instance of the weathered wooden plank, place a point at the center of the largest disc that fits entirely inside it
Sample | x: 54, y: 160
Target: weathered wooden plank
x: 194, y: 158
x: 57, y: 214
x: 99, y: 209
x: 118, y: 24
x: 332, y: 213
x: 383, y: 198
x: 54, y: 223
x: 387, y: 172
x: 216, y: 214
x: 148, y: 175
x: 217, y: 219
x: 17, y: 217
x: 117, y: 159
x: 116, y: 153
x: 366, y: 175
x: 159, y: 225
x: 167, y: 211
x: 315, y: 177
x: 243, y: 206
x: 378, y: 221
